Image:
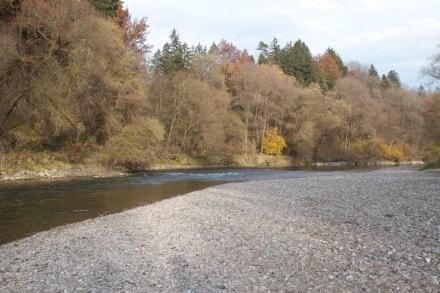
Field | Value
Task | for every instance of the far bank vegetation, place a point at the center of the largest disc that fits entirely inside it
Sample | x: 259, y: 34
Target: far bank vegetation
x: 79, y: 85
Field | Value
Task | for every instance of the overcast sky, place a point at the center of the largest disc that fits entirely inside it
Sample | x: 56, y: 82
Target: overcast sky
x: 391, y: 34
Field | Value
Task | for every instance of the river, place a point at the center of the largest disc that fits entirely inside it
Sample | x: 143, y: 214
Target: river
x: 28, y: 207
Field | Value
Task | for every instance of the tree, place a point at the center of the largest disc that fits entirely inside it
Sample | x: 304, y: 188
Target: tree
x: 394, y: 78
x: 64, y: 80
x: 135, y: 31
x: 372, y: 71
x: 263, y: 56
x: 358, y: 114
x: 9, y: 8
x: 431, y: 125
x: 385, y: 82
x: 433, y: 69
x: 274, y: 52
x: 106, y: 7
x: 342, y: 68
x: 297, y: 61
x: 273, y: 143
x: 327, y: 71
x: 228, y: 52
x: 174, y: 56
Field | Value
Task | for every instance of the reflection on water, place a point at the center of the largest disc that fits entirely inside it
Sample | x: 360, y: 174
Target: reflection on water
x: 32, y: 206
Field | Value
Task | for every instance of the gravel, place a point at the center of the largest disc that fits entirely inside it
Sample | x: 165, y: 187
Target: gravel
x: 366, y: 231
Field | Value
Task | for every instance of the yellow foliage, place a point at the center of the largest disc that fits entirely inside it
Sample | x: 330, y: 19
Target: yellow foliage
x: 374, y: 149
x: 392, y: 153
x: 273, y: 144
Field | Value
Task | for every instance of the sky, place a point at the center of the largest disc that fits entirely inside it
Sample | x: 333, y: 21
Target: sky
x: 391, y: 34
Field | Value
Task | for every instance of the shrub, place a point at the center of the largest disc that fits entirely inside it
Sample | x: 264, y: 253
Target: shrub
x: 136, y: 145
x: 273, y: 144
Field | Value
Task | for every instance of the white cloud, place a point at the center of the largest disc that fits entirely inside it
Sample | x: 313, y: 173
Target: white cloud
x: 391, y: 34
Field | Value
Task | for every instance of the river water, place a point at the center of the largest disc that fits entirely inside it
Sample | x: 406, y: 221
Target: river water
x: 30, y: 206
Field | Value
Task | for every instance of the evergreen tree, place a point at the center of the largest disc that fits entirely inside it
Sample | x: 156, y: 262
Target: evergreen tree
x: 394, y: 78
x: 263, y: 56
x: 199, y: 49
x: 385, y: 82
x: 274, y: 52
x: 107, y: 7
x: 213, y: 50
x: 174, y: 56
x: 297, y: 61
x: 372, y: 71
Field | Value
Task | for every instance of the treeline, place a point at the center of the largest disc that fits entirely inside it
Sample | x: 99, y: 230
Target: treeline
x: 75, y: 82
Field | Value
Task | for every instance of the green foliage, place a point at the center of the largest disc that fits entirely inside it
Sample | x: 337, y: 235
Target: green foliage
x: 297, y: 61
x: 394, y: 78
x: 372, y: 71
x: 106, y: 7
x: 263, y: 57
x: 273, y: 144
x: 174, y: 56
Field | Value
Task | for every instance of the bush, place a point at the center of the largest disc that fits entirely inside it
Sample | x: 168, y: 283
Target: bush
x: 432, y: 156
x: 136, y: 145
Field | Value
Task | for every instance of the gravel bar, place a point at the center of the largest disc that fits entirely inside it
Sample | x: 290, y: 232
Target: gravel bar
x: 338, y: 231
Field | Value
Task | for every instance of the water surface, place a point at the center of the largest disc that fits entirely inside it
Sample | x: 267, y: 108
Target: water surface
x: 27, y: 207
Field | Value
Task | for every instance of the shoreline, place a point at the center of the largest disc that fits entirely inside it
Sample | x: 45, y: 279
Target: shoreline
x: 97, y: 171
x: 375, y: 231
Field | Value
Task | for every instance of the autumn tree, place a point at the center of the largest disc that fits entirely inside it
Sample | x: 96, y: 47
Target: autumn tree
x: 327, y: 71
x: 273, y: 143
x: 63, y: 79
x: 433, y: 69
x: 134, y: 31
x: 9, y: 8
x: 358, y: 114
x: 228, y: 52
x: 342, y: 67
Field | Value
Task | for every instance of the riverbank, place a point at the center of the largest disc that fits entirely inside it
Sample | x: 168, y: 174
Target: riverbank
x: 338, y: 231
x: 63, y: 170
x: 62, y: 173
x: 66, y: 171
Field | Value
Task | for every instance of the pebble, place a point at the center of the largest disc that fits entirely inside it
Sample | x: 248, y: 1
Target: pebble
x: 287, y: 235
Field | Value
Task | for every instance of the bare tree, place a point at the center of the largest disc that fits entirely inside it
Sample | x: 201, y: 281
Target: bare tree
x: 433, y: 69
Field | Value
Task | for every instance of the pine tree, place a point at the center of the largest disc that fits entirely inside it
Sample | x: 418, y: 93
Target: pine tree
x: 385, y: 82
x: 174, y: 56
x: 274, y: 52
x: 394, y: 78
x: 213, y: 50
x: 107, y: 7
x: 372, y: 71
x: 263, y: 56
x: 297, y: 61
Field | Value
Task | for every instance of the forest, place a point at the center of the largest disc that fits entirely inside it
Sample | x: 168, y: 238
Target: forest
x: 80, y: 85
